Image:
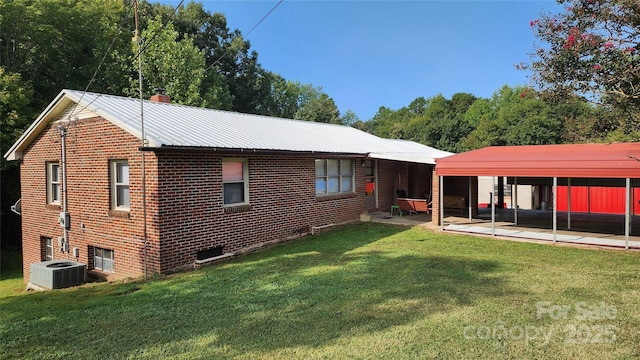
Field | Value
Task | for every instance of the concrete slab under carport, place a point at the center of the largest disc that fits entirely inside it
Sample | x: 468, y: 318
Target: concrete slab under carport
x: 587, y: 229
x: 534, y: 226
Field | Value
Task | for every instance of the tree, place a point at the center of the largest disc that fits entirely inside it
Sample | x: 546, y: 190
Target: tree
x: 320, y: 108
x: 15, y: 97
x: 388, y: 123
x: 513, y: 116
x: 349, y: 118
x: 592, y: 51
x: 175, y: 65
x: 57, y: 44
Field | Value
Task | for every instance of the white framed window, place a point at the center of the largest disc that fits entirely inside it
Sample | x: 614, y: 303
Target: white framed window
x: 120, y: 199
x: 235, y: 181
x: 53, y: 183
x: 334, y: 176
x: 47, y: 249
x: 103, y: 259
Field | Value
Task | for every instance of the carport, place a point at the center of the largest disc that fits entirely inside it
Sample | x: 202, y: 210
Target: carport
x: 613, y: 165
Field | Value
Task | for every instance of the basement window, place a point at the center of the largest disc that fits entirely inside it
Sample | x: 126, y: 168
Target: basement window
x: 210, y: 253
x: 47, y: 248
x: 103, y: 259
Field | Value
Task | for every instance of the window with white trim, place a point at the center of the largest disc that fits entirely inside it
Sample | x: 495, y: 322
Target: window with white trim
x: 103, y: 259
x: 334, y: 176
x: 53, y: 183
x: 120, y: 199
x: 235, y: 181
x: 47, y: 249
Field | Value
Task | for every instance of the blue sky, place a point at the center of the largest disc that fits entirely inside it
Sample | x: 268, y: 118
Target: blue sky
x: 367, y: 54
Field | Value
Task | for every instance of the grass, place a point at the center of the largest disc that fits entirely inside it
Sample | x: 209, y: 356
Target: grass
x: 10, y: 273
x: 362, y: 291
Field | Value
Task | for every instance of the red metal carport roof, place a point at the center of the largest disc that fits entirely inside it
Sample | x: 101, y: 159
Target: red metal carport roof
x: 567, y: 160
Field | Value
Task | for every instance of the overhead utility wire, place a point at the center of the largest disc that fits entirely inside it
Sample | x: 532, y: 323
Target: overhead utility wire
x: 162, y: 27
x: 95, y: 74
x: 104, y: 57
x: 247, y: 34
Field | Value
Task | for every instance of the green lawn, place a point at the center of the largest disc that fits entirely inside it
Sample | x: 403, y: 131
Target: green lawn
x: 362, y: 291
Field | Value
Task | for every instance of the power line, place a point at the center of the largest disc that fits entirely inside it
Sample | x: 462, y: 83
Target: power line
x: 161, y: 28
x: 247, y: 34
x: 104, y: 57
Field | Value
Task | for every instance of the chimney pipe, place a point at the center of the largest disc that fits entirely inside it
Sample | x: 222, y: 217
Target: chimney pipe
x: 160, y: 96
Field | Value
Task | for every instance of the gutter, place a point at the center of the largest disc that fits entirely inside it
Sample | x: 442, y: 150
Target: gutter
x: 201, y: 149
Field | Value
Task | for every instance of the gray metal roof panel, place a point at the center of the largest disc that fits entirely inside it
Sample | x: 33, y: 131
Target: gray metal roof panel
x: 178, y: 125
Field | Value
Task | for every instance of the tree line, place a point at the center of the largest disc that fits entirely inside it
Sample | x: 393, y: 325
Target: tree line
x: 512, y: 116
x: 584, y: 88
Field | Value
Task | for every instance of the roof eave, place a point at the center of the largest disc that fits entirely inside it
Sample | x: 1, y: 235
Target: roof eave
x: 178, y: 148
x: 16, y: 151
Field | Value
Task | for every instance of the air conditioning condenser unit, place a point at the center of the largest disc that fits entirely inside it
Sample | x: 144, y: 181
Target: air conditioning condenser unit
x: 58, y: 274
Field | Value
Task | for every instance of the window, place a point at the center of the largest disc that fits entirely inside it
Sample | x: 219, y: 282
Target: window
x: 235, y: 181
x: 53, y: 183
x: 120, y: 185
x: 47, y: 249
x: 334, y: 176
x: 103, y: 259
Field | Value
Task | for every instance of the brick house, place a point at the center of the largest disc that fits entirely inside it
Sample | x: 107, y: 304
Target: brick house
x: 215, y: 183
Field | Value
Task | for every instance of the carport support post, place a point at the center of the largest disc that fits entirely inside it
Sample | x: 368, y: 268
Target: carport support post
x: 470, y: 196
x: 627, y: 215
x: 555, y: 208
x: 493, y: 206
x: 515, y: 203
x: 569, y: 203
x: 441, y: 205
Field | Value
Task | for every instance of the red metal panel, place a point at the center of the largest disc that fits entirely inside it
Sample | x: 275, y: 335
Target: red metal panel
x: 562, y: 198
x: 607, y: 200
x: 579, y: 198
x: 636, y: 201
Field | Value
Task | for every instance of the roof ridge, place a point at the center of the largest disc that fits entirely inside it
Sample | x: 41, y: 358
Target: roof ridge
x: 155, y: 103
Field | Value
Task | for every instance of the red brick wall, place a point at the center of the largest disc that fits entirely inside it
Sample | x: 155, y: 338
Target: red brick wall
x: 282, y: 197
x: 392, y: 176
x: 92, y: 223
x: 435, y: 204
x: 184, y: 200
x: 419, y: 180
x: 281, y: 190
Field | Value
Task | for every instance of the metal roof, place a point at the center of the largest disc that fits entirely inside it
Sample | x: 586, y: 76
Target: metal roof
x: 621, y: 160
x: 411, y: 151
x: 172, y: 125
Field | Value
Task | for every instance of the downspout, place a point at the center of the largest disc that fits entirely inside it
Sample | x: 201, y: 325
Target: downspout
x: 64, y: 217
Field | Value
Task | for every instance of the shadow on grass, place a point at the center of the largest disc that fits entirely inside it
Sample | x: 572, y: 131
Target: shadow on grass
x: 306, y: 293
